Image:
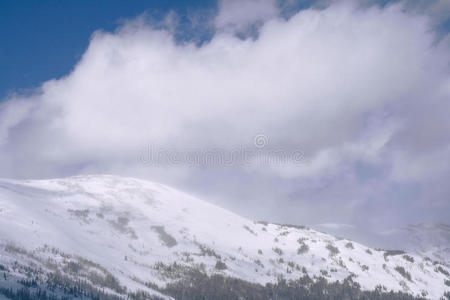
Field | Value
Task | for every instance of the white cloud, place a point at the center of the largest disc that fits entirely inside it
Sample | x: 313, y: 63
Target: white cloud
x: 13, y: 113
x: 342, y: 84
x: 240, y: 15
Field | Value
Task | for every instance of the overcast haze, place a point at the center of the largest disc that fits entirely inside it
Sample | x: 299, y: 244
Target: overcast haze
x: 361, y: 90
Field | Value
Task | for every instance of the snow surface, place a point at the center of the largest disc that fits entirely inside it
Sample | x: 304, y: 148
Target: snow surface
x: 425, y: 239
x: 129, y: 226
x: 430, y: 239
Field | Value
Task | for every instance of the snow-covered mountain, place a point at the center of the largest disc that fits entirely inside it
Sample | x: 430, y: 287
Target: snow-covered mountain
x: 428, y: 239
x: 117, y: 232
x: 425, y: 239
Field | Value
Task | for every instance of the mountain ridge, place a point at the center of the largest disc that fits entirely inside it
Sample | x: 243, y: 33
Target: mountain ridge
x: 138, y: 231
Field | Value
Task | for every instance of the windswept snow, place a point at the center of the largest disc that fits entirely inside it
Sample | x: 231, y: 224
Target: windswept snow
x: 129, y: 227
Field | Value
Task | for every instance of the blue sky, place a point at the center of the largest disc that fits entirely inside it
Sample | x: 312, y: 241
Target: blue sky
x: 41, y: 40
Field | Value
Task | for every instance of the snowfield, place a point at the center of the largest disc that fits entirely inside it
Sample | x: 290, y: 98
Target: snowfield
x: 133, y: 230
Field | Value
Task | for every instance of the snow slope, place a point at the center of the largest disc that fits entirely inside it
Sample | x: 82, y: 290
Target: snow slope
x: 425, y: 239
x: 134, y: 229
x: 430, y: 239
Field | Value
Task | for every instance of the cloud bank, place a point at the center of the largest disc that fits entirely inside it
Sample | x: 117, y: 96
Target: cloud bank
x: 363, y: 92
